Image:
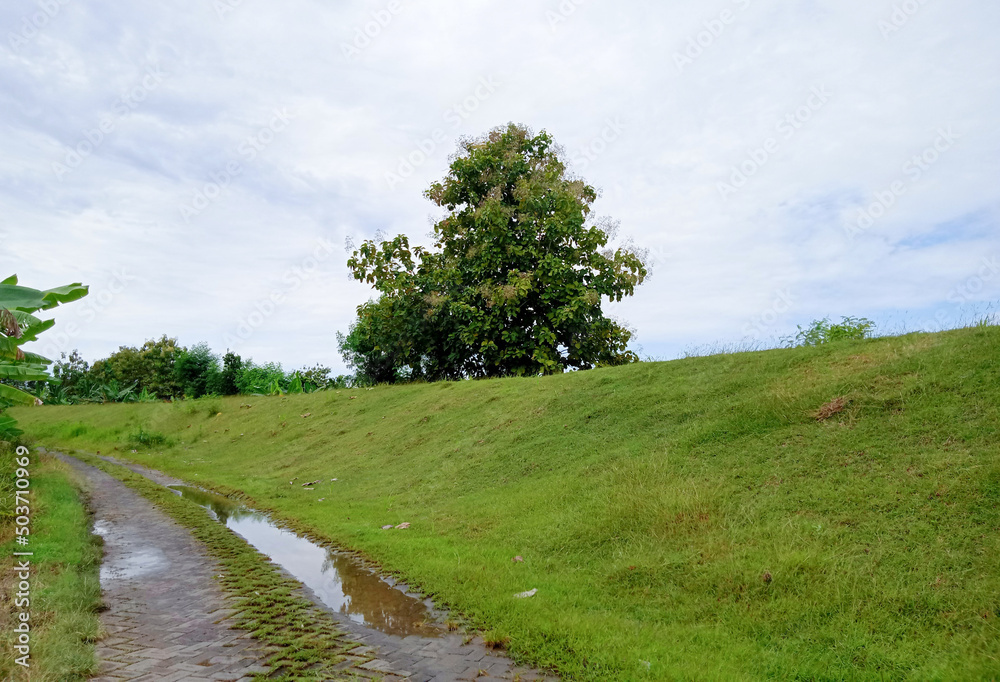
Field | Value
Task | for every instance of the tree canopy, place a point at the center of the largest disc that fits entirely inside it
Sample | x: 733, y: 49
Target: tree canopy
x: 513, y: 283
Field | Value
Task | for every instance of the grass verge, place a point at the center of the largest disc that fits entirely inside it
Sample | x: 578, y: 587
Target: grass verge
x: 808, y: 513
x: 65, y: 592
x: 301, y: 640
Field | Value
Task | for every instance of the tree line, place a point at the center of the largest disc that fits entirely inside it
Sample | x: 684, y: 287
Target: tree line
x: 162, y: 369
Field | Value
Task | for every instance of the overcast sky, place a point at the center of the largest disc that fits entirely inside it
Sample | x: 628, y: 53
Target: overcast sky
x: 196, y: 160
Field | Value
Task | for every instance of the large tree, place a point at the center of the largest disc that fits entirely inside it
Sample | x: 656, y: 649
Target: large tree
x: 150, y: 367
x: 513, y: 283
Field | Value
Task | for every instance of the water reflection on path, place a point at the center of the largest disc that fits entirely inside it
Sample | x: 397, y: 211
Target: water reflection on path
x: 338, y: 581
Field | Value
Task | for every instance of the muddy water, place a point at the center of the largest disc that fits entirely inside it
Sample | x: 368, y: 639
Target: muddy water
x: 337, y: 579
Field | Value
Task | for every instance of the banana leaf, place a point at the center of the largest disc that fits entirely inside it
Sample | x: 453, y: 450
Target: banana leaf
x: 25, y: 299
x: 8, y: 427
x: 32, y: 332
x: 21, y: 371
x: 13, y: 395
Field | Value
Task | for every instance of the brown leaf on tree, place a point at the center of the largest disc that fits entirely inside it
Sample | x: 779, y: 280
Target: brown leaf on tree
x: 8, y: 323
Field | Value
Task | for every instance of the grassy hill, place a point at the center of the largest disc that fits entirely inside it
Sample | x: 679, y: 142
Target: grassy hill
x: 826, y: 513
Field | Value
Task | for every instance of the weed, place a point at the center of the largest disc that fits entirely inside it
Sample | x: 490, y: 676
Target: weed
x: 823, y: 331
x: 146, y: 439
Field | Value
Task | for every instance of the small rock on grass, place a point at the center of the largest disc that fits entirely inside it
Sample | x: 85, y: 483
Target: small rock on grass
x: 525, y: 595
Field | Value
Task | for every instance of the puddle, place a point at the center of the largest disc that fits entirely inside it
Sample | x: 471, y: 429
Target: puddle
x: 339, y: 582
x: 138, y: 561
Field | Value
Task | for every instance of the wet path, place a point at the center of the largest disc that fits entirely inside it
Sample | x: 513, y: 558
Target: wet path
x: 395, y: 630
x: 166, y: 616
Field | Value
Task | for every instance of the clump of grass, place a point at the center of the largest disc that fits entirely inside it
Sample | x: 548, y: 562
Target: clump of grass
x: 835, y: 406
x: 494, y: 640
x: 141, y: 438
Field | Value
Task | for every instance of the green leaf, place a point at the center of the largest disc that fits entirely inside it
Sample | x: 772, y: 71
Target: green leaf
x: 29, y: 300
x: 66, y: 294
x: 9, y: 349
x: 25, y: 319
x: 32, y: 332
x: 11, y: 394
x: 20, y: 371
x: 8, y: 427
x: 10, y: 280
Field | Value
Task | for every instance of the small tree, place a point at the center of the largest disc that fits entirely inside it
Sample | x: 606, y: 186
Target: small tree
x: 513, y: 284
x: 226, y: 380
x: 196, y: 370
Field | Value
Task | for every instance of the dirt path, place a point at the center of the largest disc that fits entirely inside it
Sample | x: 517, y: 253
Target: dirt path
x: 167, y: 617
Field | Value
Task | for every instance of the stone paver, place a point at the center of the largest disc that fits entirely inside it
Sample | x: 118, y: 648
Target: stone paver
x: 167, y: 616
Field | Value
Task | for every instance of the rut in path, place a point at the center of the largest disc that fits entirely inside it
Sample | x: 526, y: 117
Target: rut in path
x: 167, y: 616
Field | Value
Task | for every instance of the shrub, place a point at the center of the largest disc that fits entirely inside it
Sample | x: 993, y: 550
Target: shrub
x: 261, y: 379
x: 823, y: 331
x: 146, y: 439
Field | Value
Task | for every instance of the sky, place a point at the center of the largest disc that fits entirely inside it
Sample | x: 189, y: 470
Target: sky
x: 203, y: 165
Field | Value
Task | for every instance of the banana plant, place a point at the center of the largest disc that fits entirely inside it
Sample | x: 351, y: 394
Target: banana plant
x: 19, y: 326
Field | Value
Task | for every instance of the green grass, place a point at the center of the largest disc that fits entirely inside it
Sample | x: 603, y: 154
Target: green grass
x: 65, y: 590
x: 692, y: 515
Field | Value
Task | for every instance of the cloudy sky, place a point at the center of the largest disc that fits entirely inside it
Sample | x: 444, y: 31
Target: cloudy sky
x: 195, y: 161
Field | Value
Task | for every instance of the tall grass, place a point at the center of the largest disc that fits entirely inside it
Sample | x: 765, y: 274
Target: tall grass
x: 65, y: 590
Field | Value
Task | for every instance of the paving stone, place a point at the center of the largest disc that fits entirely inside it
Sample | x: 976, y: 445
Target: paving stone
x: 156, y: 581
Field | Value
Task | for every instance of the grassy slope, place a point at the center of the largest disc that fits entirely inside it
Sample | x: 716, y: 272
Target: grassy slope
x: 65, y: 592
x: 651, y: 502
